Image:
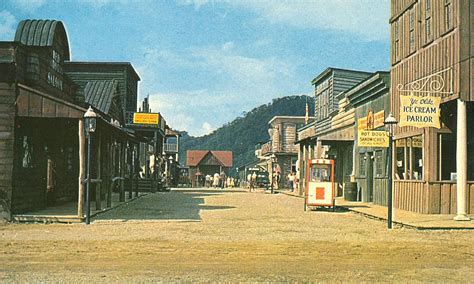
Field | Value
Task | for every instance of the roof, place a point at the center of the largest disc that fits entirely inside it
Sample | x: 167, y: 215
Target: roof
x: 99, y: 94
x: 95, y: 65
x: 171, y: 132
x: 289, y: 119
x: 194, y: 157
x: 329, y: 70
x: 41, y: 33
x: 375, y: 85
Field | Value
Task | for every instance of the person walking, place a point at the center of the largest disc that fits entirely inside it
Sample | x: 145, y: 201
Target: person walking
x: 216, y: 180
x: 253, y: 182
x: 222, y: 179
x: 291, y: 181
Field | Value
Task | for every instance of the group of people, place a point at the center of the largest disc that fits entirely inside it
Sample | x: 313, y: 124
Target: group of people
x: 293, y: 181
x: 220, y: 180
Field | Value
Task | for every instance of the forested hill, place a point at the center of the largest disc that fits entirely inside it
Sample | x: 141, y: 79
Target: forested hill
x: 241, y: 135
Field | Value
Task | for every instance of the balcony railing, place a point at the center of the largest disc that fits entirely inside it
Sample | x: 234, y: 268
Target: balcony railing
x: 170, y: 147
x: 269, y: 148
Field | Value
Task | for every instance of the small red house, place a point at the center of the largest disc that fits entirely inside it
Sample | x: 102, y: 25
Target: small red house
x: 207, y: 162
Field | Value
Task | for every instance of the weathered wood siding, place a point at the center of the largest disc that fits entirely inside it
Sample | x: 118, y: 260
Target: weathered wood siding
x: 430, y: 198
x: 7, y: 122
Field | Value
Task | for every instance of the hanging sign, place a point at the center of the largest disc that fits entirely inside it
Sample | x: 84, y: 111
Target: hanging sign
x: 146, y: 118
x: 371, y: 121
x: 367, y: 138
x: 419, y: 111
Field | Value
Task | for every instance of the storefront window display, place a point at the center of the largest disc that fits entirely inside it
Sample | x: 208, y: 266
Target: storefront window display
x: 409, y: 158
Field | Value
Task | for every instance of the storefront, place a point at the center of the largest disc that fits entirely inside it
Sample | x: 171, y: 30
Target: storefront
x: 371, y: 100
x: 432, y: 98
x: 42, y: 136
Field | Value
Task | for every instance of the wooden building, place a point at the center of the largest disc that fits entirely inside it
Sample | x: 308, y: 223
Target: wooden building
x: 171, y: 150
x: 432, y: 55
x: 150, y: 127
x: 42, y: 138
x: 371, y: 102
x: 282, y: 132
x: 207, y: 162
x: 332, y: 133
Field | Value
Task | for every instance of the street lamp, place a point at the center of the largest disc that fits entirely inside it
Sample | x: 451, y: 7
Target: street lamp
x: 90, y: 120
x: 169, y: 170
x: 272, y: 160
x: 390, y: 123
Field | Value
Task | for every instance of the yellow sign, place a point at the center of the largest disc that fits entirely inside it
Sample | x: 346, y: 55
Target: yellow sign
x: 362, y: 123
x: 367, y: 138
x: 145, y: 118
x: 379, y: 118
x: 419, y: 111
x: 371, y: 121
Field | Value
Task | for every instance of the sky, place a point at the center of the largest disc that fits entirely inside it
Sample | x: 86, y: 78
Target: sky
x: 203, y: 62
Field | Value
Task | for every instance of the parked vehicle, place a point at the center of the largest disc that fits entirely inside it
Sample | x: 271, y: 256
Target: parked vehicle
x: 262, y: 179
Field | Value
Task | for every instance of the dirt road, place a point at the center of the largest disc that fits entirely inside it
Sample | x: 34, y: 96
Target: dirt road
x: 204, y: 235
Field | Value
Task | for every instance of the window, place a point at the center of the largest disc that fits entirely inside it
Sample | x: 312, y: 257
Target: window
x: 409, y: 158
x: 27, y: 153
x: 379, y: 163
x: 32, y: 67
x: 396, y: 45
x: 447, y: 156
x: 320, y: 173
x: 428, y: 29
x: 412, y: 30
x: 362, y: 164
x: 448, y: 14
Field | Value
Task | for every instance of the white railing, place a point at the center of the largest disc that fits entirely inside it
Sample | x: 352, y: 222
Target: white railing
x: 171, y: 147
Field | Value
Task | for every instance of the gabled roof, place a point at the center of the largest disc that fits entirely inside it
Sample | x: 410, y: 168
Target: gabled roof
x: 41, y: 33
x: 194, y: 157
x: 100, y: 94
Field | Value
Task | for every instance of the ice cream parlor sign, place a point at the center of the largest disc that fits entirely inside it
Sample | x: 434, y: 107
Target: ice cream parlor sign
x: 419, y: 111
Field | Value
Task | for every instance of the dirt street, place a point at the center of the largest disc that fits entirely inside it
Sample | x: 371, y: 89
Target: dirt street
x: 211, y: 235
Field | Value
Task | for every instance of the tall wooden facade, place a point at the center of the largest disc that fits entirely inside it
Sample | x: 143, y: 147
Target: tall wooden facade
x: 43, y: 98
x: 333, y: 133
x: 371, y: 102
x: 282, y: 132
x: 432, y: 54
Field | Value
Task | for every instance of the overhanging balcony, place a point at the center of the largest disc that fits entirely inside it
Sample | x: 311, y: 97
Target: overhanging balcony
x: 170, y: 148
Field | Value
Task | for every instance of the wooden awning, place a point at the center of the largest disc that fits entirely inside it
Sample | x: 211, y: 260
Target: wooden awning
x: 346, y: 134
x: 34, y: 103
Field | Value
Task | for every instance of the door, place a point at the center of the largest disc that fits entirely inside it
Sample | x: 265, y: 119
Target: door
x: 370, y: 176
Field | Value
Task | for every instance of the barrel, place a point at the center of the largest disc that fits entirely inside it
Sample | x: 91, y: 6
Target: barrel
x: 350, y: 191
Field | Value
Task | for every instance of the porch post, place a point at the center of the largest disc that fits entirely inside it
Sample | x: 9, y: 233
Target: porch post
x: 82, y: 168
x: 461, y: 162
x: 122, y: 172
x: 98, y: 185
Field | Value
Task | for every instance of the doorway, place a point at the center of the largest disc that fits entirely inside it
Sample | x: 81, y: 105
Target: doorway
x: 370, y: 176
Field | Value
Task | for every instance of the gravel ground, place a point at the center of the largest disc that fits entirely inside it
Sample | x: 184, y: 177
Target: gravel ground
x: 214, y: 235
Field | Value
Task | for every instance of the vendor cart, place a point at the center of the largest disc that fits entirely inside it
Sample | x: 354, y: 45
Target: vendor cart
x: 320, y: 184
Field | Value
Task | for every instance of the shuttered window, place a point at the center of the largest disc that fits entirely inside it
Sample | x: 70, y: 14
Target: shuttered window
x: 448, y: 14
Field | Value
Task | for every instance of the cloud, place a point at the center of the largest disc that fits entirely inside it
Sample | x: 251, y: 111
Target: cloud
x: 7, y: 25
x: 29, y: 5
x: 235, y: 82
x: 365, y: 18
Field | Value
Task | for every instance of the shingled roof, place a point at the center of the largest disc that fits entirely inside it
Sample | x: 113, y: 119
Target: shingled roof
x: 100, y: 93
x: 194, y: 157
x: 41, y: 33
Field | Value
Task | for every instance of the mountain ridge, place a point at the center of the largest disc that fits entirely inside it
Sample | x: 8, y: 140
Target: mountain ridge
x: 242, y: 134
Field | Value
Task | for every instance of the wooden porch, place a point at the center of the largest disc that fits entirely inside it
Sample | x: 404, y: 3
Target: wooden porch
x: 67, y: 212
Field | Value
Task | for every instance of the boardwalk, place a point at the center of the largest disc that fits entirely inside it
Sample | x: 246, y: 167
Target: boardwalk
x: 207, y: 235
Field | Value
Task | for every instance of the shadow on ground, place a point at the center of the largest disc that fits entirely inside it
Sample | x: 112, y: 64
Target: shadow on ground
x: 182, y: 205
